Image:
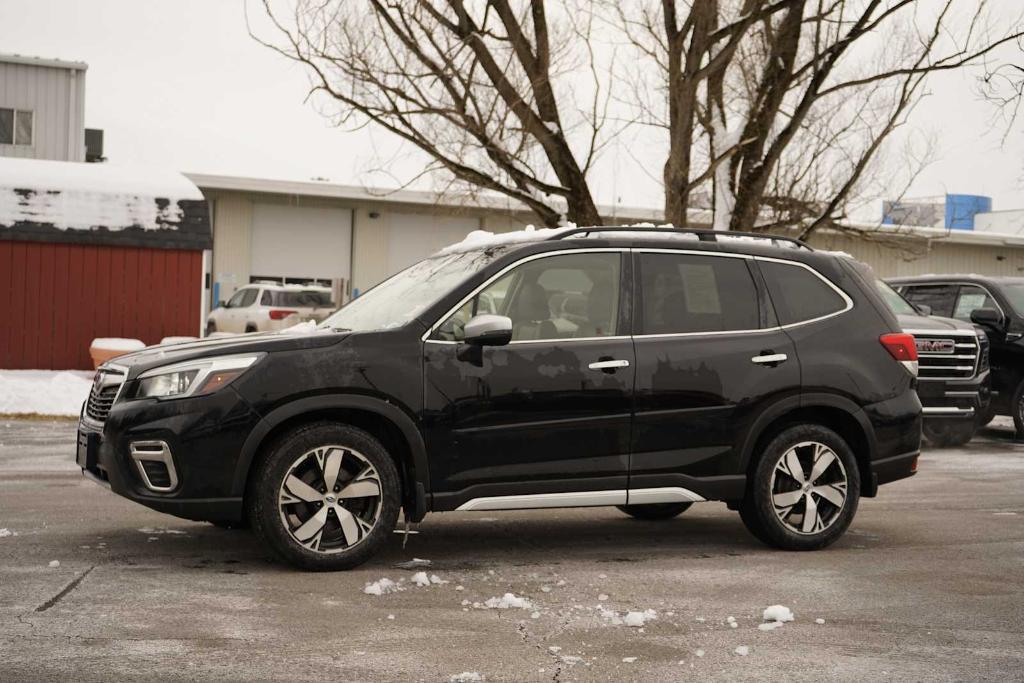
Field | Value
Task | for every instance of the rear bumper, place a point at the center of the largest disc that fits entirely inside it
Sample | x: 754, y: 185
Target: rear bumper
x: 891, y: 469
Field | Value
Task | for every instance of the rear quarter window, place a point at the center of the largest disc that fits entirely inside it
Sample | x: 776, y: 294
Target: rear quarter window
x: 799, y: 294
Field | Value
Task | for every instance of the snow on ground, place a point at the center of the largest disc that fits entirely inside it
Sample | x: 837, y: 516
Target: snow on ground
x: 778, y: 613
x: 466, y: 677
x: 5, y: 532
x: 44, y: 392
x: 507, y: 601
x: 381, y: 587
x: 742, y: 650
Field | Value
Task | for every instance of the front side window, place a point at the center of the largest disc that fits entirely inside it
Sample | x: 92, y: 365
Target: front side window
x: 686, y: 293
x: 247, y: 298
x: 971, y: 299
x: 236, y: 299
x: 939, y: 298
x: 798, y: 294
x: 15, y: 127
x: 569, y: 296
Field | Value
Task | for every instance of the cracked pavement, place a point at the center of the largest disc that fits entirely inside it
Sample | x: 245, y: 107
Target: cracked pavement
x: 926, y: 585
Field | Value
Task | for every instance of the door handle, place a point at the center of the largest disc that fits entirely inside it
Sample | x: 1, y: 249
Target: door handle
x: 608, y: 364
x: 770, y: 359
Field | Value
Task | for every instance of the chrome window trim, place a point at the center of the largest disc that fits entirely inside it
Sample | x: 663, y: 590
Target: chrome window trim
x: 652, y: 250
x: 503, y: 271
x: 956, y: 300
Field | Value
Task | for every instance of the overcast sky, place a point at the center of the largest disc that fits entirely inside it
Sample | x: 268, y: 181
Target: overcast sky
x: 180, y: 83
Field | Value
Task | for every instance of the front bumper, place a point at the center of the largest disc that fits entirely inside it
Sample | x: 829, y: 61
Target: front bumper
x: 953, y: 399
x: 201, y: 439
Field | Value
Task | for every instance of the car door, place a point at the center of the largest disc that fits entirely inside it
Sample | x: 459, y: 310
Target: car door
x: 229, y: 319
x: 709, y: 357
x: 543, y: 421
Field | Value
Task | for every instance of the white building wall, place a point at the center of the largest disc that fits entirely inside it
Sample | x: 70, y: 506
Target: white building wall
x: 56, y: 97
x: 1007, y: 222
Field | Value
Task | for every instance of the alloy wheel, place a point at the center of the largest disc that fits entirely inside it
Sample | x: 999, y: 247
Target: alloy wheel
x: 808, y: 488
x: 330, y: 499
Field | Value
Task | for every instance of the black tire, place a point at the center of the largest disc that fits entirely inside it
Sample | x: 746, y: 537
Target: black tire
x: 984, y: 417
x: 1017, y: 409
x: 362, y: 453
x: 653, y: 511
x: 211, y: 327
x: 250, y: 329
x: 949, y: 433
x: 758, y: 509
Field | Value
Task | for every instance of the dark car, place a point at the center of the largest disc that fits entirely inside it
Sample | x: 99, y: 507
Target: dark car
x: 997, y: 305
x: 953, y: 370
x: 644, y: 369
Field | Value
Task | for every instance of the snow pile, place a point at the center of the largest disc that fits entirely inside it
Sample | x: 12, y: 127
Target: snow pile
x: 466, y: 677
x: 308, y: 327
x: 484, y: 239
x: 177, y: 340
x: 742, y: 650
x: 414, y: 563
x: 421, y: 579
x: 5, y: 532
x: 819, y: 620
x: 83, y: 196
x: 778, y: 613
x: 769, y: 625
x: 54, y: 564
x: 638, y: 619
x: 44, y: 392
x: 507, y: 601
x: 628, y: 660
x: 117, y: 344
x: 161, y: 530
x: 381, y: 587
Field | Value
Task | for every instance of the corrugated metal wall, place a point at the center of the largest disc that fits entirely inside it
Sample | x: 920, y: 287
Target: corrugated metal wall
x: 894, y: 257
x: 56, y: 96
x: 56, y: 298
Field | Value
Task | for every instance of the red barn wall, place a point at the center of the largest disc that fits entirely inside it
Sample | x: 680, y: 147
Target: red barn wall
x: 55, y: 298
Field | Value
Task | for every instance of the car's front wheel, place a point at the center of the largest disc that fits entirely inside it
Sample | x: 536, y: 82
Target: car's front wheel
x: 325, y: 496
x: 803, y: 491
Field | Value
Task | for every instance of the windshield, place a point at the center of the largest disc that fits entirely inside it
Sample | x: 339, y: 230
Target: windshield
x: 1014, y: 291
x: 897, y: 303
x: 406, y: 295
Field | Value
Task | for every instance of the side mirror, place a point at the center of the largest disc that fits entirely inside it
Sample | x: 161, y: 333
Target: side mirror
x: 488, y: 330
x: 987, y: 317
x: 923, y: 309
x: 222, y: 304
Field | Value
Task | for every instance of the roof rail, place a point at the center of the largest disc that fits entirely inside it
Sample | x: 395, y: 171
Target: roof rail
x: 702, y: 235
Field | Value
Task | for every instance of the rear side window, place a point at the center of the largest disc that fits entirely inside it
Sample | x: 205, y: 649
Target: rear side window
x: 689, y: 293
x: 302, y: 298
x: 939, y: 298
x: 798, y: 294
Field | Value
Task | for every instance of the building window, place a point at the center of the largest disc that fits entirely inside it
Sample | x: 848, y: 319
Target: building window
x: 15, y: 127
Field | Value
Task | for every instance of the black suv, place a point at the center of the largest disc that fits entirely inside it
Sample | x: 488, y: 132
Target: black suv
x: 953, y: 372
x: 645, y: 369
x: 997, y: 305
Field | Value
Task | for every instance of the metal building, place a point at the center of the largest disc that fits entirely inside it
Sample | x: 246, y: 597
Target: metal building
x: 42, y: 108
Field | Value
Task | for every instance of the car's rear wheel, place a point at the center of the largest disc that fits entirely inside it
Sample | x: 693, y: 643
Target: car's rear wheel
x: 325, y: 497
x: 655, y: 510
x: 949, y: 433
x: 803, y: 491
x: 211, y: 327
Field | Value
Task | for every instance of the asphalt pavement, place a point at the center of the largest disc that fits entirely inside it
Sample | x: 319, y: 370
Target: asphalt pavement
x: 928, y: 584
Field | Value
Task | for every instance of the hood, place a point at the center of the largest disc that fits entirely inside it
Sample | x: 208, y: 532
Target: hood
x: 269, y: 342
x: 932, y: 323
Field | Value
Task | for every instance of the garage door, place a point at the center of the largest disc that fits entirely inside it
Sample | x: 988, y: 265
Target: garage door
x: 301, y: 242
x: 414, y: 236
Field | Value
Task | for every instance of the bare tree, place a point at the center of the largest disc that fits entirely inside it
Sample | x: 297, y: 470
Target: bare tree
x: 502, y: 98
x: 782, y: 108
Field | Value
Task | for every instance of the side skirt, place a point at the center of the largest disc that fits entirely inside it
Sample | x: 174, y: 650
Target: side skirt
x: 664, y: 494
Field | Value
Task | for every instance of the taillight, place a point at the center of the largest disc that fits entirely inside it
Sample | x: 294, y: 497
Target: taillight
x: 903, y: 348
x: 278, y: 314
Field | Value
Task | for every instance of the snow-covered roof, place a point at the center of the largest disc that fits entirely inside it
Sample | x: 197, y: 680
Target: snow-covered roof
x: 101, y: 203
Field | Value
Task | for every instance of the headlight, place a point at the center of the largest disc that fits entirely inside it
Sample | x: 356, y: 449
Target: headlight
x: 192, y: 378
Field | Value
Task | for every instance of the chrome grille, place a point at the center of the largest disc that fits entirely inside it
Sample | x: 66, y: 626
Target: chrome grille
x: 945, y: 355
x: 104, y: 391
